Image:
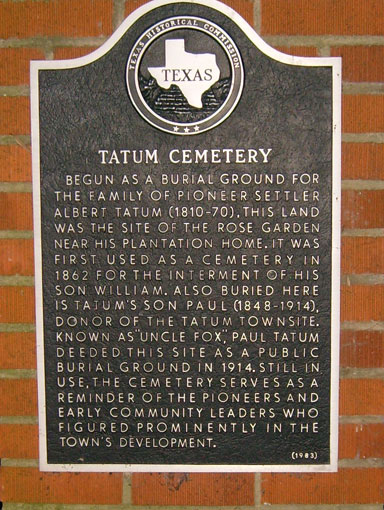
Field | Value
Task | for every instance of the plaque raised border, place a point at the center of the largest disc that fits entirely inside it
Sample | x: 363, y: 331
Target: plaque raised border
x: 335, y: 64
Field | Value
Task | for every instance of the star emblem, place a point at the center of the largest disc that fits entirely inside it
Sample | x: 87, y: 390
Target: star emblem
x: 175, y: 129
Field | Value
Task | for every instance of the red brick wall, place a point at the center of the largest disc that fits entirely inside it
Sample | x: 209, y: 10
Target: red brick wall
x: 354, y: 29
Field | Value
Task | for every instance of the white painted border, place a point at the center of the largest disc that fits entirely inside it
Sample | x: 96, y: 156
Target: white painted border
x: 336, y: 250
x: 335, y: 63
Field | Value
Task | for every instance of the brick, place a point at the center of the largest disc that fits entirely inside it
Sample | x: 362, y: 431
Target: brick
x: 362, y: 303
x: 17, y: 350
x: 361, y: 396
x: 363, y: 114
x: 362, y: 349
x: 14, y: 115
x: 14, y: 65
x: 347, y: 486
x: 29, y: 485
x: 202, y: 489
x: 304, y: 17
x: 17, y: 257
x: 17, y: 305
x: 361, y: 441
x: 300, y: 51
x: 362, y: 209
x: 132, y: 5
x: 55, y: 18
x: 72, y: 52
x: 19, y: 441
x: 243, y: 7
x: 362, y: 161
x: 15, y: 163
x: 16, y: 211
x: 18, y: 397
x: 361, y: 63
x: 362, y: 255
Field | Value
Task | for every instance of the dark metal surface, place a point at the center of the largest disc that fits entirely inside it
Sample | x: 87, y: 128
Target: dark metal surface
x: 87, y: 109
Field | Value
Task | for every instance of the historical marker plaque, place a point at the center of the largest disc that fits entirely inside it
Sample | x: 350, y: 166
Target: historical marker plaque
x: 186, y: 192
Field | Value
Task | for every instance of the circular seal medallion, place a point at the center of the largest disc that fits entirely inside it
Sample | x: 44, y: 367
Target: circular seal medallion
x: 185, y: 75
